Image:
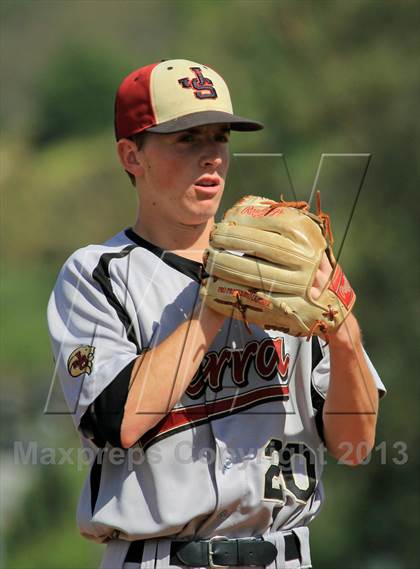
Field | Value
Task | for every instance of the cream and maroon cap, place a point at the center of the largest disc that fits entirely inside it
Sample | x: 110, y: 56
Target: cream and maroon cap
x: 174, y: 95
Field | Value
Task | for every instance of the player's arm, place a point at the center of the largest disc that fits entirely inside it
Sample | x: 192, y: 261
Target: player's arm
x: 98, y: 361
x: 351, y: 406
x: 161, y: 375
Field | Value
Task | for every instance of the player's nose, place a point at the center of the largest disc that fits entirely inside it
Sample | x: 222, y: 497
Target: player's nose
x: 211, y: 155
x: 211, y: 161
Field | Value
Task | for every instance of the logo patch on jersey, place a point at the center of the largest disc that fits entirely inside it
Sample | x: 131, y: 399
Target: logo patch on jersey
x: 202, y: 86
x: 80, y: 361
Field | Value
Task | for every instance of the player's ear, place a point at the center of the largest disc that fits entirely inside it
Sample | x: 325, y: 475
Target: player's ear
x: 128, y: 154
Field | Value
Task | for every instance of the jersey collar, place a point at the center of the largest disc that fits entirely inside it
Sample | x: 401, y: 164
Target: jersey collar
x: 188, y: 267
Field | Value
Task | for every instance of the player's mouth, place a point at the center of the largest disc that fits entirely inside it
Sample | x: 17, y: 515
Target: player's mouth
x: 208, y: 186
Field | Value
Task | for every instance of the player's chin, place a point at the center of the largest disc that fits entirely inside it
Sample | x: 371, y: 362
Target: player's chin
x: 200, y: 215
x: 206, y: 204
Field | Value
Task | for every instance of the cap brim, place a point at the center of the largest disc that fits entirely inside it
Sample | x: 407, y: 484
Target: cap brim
x: 204, y: 118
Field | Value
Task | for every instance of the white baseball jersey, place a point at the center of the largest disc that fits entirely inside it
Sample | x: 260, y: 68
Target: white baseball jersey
x: 240, y: 454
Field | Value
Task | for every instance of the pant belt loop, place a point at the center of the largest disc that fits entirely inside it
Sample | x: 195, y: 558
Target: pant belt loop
x: 277, y: 538
x: 302, y: 533
x: 163, y: 554
x: 149, y: 554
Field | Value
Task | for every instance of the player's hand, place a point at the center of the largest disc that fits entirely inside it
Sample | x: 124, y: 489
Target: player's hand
x: 348, y: 333
x: 322, y: 277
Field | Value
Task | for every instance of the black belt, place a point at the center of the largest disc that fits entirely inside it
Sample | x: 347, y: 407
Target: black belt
x: 221, y: 551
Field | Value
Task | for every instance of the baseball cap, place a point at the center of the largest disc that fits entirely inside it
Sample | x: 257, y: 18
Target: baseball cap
x: 174, y: 95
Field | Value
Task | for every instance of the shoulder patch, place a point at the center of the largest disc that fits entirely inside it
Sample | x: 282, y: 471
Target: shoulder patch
x: 80, y: 361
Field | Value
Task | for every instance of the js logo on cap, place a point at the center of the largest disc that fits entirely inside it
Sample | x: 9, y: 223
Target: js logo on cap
x: 80, y: 361
x: 203, y: 86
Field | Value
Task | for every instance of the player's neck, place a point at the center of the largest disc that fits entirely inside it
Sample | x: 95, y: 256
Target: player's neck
x: 188, y: 241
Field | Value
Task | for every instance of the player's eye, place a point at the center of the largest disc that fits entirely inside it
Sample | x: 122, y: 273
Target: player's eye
x: 187, y: 137
x: 223, y: 137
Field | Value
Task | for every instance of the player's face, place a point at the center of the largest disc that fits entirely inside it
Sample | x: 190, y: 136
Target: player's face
x: 184, y: 174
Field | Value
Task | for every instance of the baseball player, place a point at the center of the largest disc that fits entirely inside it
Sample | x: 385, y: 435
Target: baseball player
x: 208, y: 433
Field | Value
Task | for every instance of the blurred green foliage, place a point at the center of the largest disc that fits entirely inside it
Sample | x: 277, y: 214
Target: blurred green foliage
x: 326, y: 77
x: 45, y: 524
x: 75, y: 92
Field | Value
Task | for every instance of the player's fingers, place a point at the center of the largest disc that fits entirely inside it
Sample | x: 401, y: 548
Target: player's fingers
x: 322, y: 277
x: 325, y: 265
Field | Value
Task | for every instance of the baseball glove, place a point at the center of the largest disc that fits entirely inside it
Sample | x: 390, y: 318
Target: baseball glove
x: 261, y: 264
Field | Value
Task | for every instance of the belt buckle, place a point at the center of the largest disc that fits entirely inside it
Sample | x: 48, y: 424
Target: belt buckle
x: 211, y: 540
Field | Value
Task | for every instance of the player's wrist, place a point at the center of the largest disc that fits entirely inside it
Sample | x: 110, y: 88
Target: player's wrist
x: 347, y: 336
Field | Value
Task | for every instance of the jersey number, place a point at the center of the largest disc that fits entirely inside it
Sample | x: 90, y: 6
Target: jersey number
x: 292, y: 470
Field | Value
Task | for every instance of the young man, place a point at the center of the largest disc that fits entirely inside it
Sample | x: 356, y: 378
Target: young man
x: 209, y: 441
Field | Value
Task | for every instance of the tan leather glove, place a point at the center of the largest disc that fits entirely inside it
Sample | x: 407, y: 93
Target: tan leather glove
x: 262, y: 260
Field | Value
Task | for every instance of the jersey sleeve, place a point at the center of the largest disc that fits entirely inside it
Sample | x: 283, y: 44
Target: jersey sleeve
x: 91, y: 341
x: 321, y: 378
x: 321, y: 373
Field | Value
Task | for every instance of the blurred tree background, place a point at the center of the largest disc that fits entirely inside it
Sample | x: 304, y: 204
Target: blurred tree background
x: 325, y: 77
